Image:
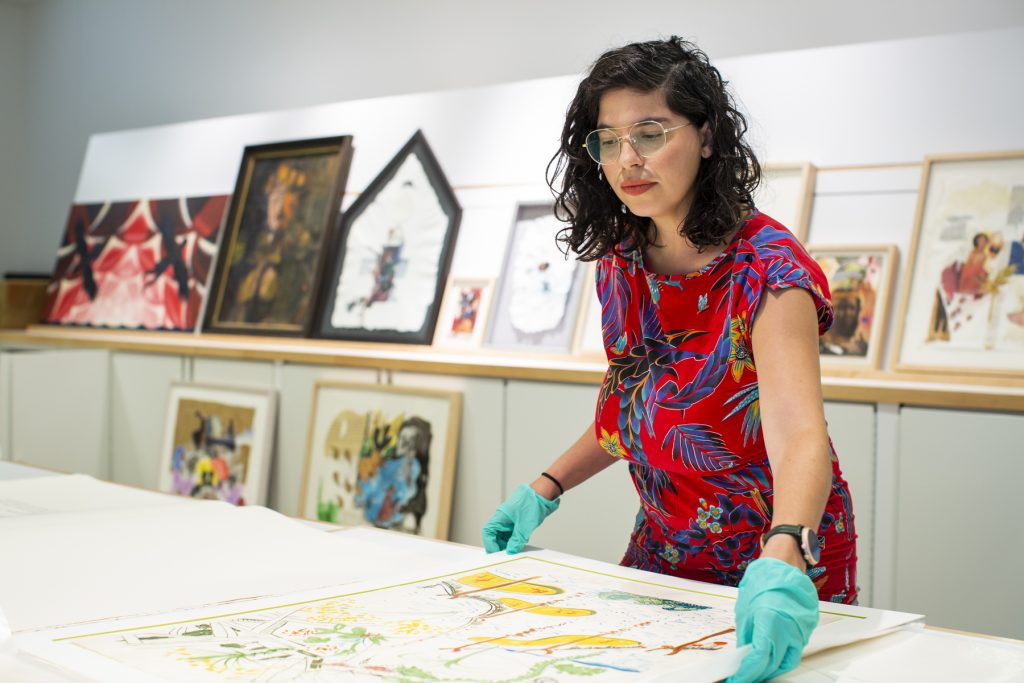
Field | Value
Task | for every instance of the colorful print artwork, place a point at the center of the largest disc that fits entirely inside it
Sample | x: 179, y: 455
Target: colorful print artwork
x: 463, y: 312
x: 141, y: 264
x: 860, y: 282
x: 381, y: 456
x: 963, y: 304
x: 216, y: 444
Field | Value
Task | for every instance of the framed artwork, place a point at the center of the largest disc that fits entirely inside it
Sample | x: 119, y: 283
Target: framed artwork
x: 860, y: 279
x: 589, y: 337
x: 394, y: 249
x: 141, y: 264
x: 962, y: 304
x: 464, y: 312
x: 787, y: 195
x: 382, y: 456
x: 540, y: 290
x: 282, y: 216
x: 217, y: 443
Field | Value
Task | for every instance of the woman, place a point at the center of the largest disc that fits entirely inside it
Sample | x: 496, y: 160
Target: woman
x: 711, y: 313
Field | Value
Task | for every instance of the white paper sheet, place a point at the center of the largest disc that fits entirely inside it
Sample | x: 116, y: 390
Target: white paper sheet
x: 71, y: 493
x: 66, y: 568
x: 560, y: 615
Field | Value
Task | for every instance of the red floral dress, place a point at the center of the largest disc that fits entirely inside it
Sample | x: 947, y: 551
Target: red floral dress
x: 680, y: 403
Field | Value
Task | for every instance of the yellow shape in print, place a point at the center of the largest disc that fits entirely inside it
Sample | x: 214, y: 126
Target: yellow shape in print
x: 487, y: 580
x: 546, y: 610
x: 576, y: 640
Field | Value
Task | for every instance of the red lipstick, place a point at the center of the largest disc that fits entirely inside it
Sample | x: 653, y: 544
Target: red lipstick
x: 635, y: 187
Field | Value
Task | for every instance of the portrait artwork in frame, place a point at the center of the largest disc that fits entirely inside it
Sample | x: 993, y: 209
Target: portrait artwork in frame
x: 280, y: 225
x: 962, y: 303
x: 218, y: 442
x: 388, y: 269
x: 786, y: 194
x: 540, y: 289
x: 382, y: 456
x: 860, y: 278
x: 138, y: 265
x: 464, y: 312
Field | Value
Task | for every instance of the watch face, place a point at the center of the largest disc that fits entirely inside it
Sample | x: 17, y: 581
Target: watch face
x: 811, y: 545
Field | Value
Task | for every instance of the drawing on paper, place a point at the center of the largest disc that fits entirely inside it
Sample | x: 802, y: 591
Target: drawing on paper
x: 965, y: 298
x: 215, y: 444
x: 381, y: 456
x: 516, y: 620
x: 140, y: 264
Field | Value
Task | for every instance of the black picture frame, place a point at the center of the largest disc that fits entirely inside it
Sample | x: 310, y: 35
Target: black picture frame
x: 267, y: 278
x: 373, y: 277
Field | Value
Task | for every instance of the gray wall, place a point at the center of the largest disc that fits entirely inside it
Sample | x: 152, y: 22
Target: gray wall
x: 87, y: 67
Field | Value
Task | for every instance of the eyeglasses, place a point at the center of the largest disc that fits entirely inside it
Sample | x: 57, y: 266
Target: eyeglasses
x: 646, y: 137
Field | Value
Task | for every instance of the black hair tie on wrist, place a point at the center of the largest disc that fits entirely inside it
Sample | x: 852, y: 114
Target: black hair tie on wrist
x: 557, y: 483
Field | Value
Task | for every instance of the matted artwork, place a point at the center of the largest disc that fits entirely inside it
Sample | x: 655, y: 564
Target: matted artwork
x: 141, y: 264
x: 962, y: 308
x: 860, y: 279
x: 527, y: 618
x: 382, y: 456
x: 464, y: 312
x: 217, y: 443
x: 540, y: 289
x: 394, y: 250
x: 278, y: 231
x: 590, y: 335
x: 786, y: 194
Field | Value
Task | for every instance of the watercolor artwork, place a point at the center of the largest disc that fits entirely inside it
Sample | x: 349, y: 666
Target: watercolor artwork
x: 464, y: 312
x: 217, y: 443
x: 522, y: 619
x: 139, y: 265
x: 963, y: 299
x: 381, y: 456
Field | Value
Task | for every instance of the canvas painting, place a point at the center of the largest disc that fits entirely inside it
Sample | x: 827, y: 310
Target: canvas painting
x: 381, y: 456
x: 394, y: 251
x: 526, y: 618
x: 786, y: 194
x: 140, y: 265
x: 217, y: 443
x: 540, y: 289
x: 464, y: 312
x: 860, y: 281
x: 963, y: 298
x: 282, y: 218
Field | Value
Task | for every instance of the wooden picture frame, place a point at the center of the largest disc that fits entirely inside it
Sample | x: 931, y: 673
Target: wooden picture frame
x: 381, y: 455
x: 464, y: 312
x: 787, y: 194
x: 962, y: 300
x: 279, y: 228
x: 393, y: 253
x: 589, y: 341
x: 537, y: 303
x: 218, y: 442
x: 860, y: 279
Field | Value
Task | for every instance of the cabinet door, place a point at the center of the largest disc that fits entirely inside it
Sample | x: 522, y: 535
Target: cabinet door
x: 541, y: 421
x: 59, y: 420
x: 959, y: 524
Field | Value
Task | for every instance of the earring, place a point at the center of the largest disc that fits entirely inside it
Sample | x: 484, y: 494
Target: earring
x: 624, y: 209
x: 600, y: 176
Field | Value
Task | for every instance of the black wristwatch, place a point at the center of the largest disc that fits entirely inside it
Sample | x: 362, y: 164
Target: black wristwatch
x: 810, y: 545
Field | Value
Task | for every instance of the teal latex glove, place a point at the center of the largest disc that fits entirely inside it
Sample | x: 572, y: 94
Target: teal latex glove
x: 509, y: 528
x: 776, y: 610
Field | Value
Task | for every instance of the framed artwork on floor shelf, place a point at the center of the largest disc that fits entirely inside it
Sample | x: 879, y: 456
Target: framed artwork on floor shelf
x: 540, y: 290
x: 137, y: 265
x: 282, y: 217
x: 382, y: 456
x: 860, y: 278
x: 786, y: 194
x: 387, y: 272
x: 589, y: 336
x: 962, y: 300
x: 464, y: 312
x: 218, y: 442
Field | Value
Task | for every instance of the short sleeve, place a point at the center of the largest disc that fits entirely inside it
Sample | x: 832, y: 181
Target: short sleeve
x: 785, y: 263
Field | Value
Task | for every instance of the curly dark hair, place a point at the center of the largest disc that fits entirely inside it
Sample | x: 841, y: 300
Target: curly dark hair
x: 725, y: 184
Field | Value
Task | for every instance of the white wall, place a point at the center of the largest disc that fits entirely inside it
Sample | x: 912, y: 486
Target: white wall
x: 115, y: 64
x: 13, y: 92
